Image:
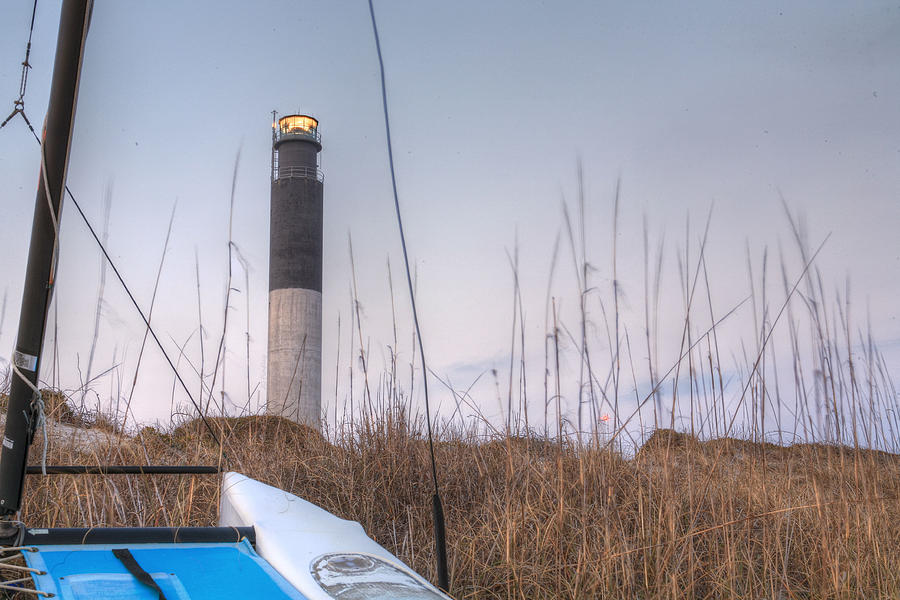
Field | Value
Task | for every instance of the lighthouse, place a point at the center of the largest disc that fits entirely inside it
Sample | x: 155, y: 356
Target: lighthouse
x: 294, y: 375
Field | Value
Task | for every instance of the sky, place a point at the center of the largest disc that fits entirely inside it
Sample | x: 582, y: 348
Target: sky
x: 709, y: 108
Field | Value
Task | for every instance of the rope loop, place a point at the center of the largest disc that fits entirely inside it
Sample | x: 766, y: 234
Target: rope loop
x: 35, y: 417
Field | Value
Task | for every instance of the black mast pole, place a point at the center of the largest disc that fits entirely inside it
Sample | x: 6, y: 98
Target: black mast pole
x: 23, y: 411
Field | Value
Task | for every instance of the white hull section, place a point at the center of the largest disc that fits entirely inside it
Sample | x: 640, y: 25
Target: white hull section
x: 321, y: 555
x: 294, y: 375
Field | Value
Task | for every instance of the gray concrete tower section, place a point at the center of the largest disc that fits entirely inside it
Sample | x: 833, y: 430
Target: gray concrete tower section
x: 294, y: 387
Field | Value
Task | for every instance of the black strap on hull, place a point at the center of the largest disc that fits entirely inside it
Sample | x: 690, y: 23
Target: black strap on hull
x: 127, y: 558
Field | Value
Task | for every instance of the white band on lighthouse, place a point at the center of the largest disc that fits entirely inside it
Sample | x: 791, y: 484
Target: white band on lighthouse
x: 295, y: 348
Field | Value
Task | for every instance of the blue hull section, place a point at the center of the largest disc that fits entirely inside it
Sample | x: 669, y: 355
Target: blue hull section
x: 182, y: 571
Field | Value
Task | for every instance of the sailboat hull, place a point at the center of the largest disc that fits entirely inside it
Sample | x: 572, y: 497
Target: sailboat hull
x: 321, y: 555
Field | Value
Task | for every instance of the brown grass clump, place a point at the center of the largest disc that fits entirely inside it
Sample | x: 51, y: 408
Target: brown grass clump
x: 529, y: 518
x: 57, y: 408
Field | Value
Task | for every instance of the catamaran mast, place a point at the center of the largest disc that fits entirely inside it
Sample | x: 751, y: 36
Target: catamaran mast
x: 23, y: 411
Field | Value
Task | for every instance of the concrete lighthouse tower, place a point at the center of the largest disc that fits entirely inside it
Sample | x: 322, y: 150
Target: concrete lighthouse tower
x: 295, y: 272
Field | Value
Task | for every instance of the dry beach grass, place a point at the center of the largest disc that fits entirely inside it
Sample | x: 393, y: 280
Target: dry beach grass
x: 531, y: 518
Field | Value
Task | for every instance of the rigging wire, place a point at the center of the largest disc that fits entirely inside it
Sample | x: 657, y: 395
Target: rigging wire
x: 19, y: 103
x: 437, y: 509
x: 19, y: 109
x: 146, y: 323
x: 143, y: 317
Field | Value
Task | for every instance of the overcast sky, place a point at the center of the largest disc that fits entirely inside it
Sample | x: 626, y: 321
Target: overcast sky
x: 493, y: 105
